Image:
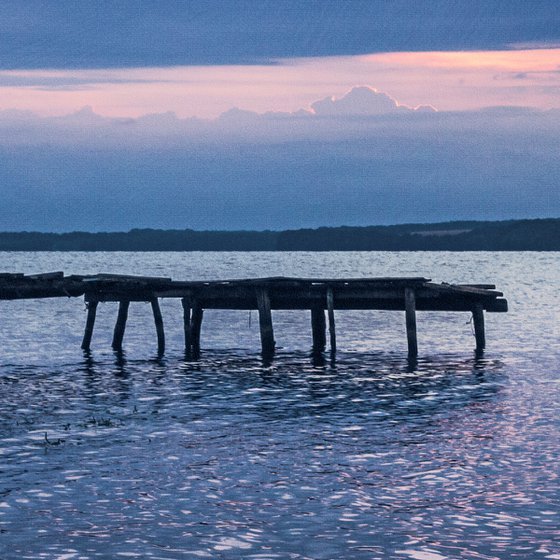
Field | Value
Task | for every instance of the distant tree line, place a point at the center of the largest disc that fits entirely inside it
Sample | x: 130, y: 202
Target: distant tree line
x: 511, y: 235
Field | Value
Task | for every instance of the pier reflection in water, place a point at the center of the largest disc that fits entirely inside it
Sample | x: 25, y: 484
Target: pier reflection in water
x: 171, y: 457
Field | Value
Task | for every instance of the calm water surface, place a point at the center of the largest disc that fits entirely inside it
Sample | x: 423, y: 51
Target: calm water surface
x: 365, y: 457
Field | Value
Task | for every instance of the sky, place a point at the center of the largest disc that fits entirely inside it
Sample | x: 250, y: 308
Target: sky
x: 276, y: 114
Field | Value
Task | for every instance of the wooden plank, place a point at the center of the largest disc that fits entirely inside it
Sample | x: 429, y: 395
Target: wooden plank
x: 39, y: 291
x: 410, y: 312
x: 125, y: 278
x: 267, y: 279
x: 463, y: 289
x: 158, y: 320
x: 330, y: 311
x: 265, y: 322
x: 46, y: 276
x: 120, y: 326
x: 130, y: 295
x: 287, y: 282
x: 478, y: 320
x: 303, y: 294
x: 90, y: 323
x: 318, y: 328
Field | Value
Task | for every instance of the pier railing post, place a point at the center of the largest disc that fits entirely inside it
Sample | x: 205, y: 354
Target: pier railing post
x: 158, y: 320
x: 90, y: 322
x: 478, y: 320
x: 120, y: 326
x: 330, y: 311
x: 318, y: 328
x: 410, y: 312
x: 265, y: 322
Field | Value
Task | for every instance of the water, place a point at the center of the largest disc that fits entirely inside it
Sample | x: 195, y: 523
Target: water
x: 106, y: 456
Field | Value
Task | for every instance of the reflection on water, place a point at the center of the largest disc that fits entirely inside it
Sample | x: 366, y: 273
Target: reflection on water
x: 226, y: 457
x: 366, y: 456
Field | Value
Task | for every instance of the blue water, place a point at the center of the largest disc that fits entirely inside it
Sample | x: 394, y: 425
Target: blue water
x: 364, y: 457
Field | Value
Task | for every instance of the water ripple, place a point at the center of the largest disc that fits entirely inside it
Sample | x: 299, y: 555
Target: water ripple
x: 368, y: 456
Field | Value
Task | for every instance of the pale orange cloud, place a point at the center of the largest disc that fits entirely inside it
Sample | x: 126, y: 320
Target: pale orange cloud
x: 539, y: 60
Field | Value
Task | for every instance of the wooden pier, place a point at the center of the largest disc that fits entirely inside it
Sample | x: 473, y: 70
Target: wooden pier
x: 318, y: 295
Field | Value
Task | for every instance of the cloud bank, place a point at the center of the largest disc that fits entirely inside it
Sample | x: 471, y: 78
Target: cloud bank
x: 363, y: 101
x: 358, y: 160
x: 105, y: 34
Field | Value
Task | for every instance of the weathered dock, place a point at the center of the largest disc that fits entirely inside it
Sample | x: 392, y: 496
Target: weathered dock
x: 318, y: 295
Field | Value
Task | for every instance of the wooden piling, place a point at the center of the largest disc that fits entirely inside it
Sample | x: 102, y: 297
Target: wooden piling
x: 318, y: 328
x: 158, y: 320
x: 90, y: 322
x: 120, y: 326
x: 186, y: 302
x: 330, y: 311
x: 265, y: 322
x: 410, y: 312
x: 196, y: 326
x: 478, y: 320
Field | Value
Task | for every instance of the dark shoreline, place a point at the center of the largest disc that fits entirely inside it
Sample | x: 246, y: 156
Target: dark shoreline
x: 510, y: 235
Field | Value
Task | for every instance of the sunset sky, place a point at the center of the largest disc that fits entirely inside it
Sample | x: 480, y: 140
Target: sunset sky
x: 446, y: 80
x: 273, y: 114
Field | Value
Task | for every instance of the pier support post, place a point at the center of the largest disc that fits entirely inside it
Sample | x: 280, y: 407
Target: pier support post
x: 265, y: 322
x: 158, y: 320
x: 330, y: 310
x: 90, y: 322
x: 478, y: 320
x: 118, y: 333
x: 186, y: 302
x: 318, y: 328
x: 410, y: 311
x: 196, y: 326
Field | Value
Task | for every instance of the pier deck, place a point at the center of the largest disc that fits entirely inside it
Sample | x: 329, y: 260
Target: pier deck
x: 319, y: 295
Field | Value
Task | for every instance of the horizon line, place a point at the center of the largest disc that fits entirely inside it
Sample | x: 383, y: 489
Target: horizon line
x: 404, y: 224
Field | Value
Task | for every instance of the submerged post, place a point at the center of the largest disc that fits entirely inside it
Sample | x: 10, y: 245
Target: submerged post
x: 330, y: 311
x: 158, y: 320
x: 478, y: 320
x: 410, y: 311
x: 186, y: 302
x: 196, y: 326
x: 118, y: 333
x: 90, y: 322
x: 265, y: 322
x: 318, y: 328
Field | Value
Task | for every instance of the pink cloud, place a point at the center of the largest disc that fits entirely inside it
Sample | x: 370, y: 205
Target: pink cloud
x: 446, y: 80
